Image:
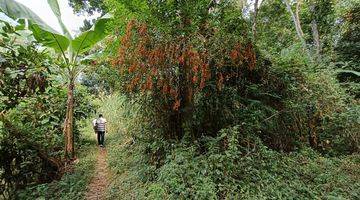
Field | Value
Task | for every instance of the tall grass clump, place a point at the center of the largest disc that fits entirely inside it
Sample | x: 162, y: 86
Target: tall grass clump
x: 123, y: 155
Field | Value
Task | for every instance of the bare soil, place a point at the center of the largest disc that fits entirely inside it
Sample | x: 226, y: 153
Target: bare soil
x: 99, y: 182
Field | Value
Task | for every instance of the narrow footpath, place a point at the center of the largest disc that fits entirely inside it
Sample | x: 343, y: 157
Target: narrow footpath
x: 99, y: 182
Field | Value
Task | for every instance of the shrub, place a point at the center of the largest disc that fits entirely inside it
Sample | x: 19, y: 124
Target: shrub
x: 31, y: 139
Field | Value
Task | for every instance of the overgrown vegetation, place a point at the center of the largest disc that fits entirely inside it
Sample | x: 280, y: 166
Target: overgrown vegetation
x: 234, y: 164
x: 32, y: 113
x: 212, y: 118
x: 204, y: 100
x: 73, y: 184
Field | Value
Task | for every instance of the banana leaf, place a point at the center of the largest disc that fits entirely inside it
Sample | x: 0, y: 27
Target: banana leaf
x: 43, y: 33
x: 89, y: 38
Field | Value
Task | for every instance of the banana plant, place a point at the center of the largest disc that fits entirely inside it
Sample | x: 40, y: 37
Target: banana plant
x: 71, y: 49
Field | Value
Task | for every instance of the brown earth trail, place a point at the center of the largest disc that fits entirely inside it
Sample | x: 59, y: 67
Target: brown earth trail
x: 99, y: 182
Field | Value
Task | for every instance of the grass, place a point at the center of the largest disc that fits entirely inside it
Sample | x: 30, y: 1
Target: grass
x: 305, y: 174
x: 269, y: 175
x: 124, y: 182
x: 72, y: 185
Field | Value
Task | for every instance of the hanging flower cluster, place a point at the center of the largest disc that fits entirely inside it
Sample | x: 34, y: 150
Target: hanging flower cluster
x: 174, y: 68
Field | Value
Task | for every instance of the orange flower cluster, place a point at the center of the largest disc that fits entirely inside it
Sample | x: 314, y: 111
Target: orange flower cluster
x: 171, y: 67
x: 240, y: 56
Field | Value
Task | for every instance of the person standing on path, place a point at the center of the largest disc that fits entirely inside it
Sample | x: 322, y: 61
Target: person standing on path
x: 100, y: 125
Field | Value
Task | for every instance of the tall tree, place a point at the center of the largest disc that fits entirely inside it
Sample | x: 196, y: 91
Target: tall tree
x: 63, y: 43
x: 90, y: 7
x: 296, y: 20
x: 254, y: 20
x: 314, y: 29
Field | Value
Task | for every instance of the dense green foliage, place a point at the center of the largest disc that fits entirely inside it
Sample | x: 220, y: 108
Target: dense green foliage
x: 70, y: 49
x: 347, y: 48
x: 33, y: 101
x: 74, y: 182
x: 200, y: 102
x: 88, y: 6
x: 235, y: 164
x: 241, y: 138
x: 100, y: 78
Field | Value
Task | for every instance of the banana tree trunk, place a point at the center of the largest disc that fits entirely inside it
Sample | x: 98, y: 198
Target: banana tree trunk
x: 68, y: 124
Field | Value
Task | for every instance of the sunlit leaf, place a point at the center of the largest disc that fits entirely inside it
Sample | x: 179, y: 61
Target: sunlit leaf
x: 42, y: 32
x: 54, y: 5
x: 89, y: 38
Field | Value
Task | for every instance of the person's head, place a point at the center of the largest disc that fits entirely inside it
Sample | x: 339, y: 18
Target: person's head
x: 100, y: 115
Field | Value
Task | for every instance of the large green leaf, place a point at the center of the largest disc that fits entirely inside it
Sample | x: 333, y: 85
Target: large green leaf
x: 59, y: 43
x: 89, y: 38
x: 54, y: 5
x: 42, y: 32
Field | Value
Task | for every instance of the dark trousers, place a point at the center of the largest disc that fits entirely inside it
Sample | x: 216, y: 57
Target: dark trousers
x: 100, y: 137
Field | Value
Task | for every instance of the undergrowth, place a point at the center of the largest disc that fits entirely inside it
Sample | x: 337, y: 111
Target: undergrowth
x: 233, y: 165
x: 125, y: 182
x: 73, y: 184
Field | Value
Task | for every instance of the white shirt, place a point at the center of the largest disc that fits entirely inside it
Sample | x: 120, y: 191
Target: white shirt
x: 101, y: 124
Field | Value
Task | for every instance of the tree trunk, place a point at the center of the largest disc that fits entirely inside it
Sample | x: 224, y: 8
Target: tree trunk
x: 68, y: 124
x: 315, y: 31
x: 182, y: 93
x: 316, y: 37
x: 254, y: 21
x: 298, y: 3
x: 296, y: 20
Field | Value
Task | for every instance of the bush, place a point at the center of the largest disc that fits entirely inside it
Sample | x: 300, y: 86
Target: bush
x: 234, y: 165
x: 73, y: 184
x: 210, y: 116
x: 33, y: 109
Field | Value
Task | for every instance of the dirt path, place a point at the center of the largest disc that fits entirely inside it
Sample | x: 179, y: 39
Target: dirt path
x: 99, y: 183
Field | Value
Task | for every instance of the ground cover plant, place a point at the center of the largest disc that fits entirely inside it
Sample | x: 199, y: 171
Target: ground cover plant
x: 73, y: 184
